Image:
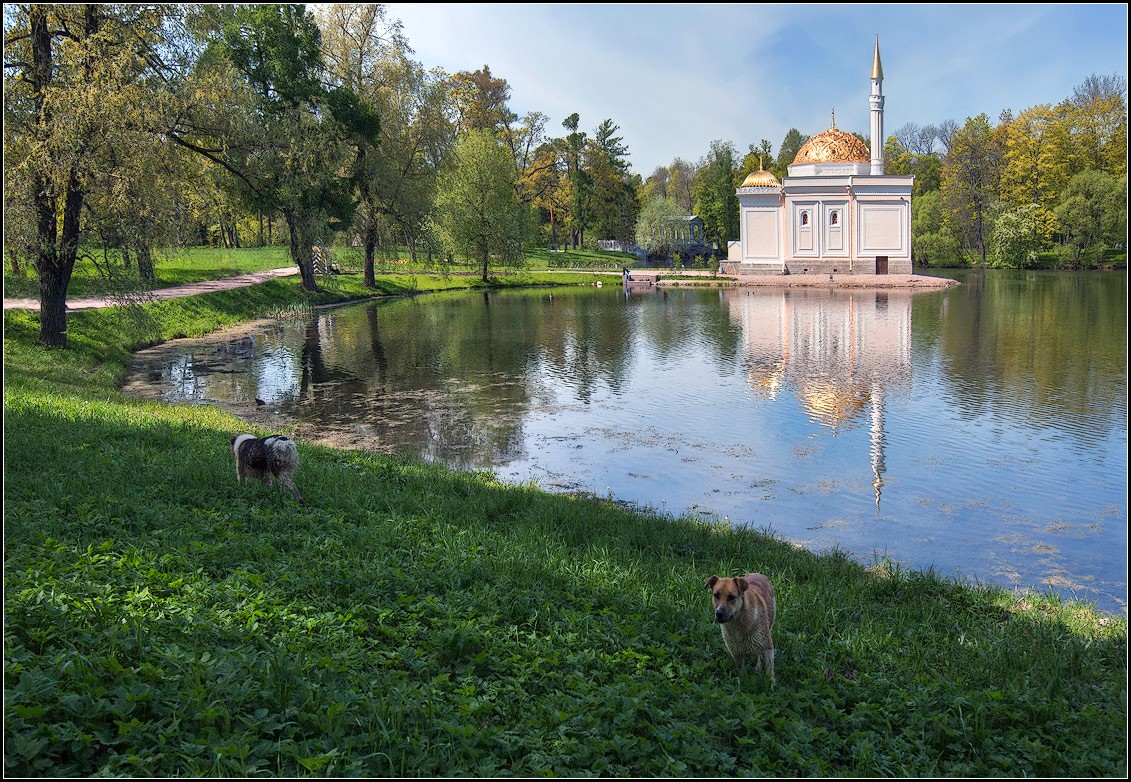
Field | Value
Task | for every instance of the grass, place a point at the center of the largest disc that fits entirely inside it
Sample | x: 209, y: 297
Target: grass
x: 99, y: 273
x: 160, y: 620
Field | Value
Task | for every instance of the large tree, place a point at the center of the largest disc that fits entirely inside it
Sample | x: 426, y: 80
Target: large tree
x: 77, y: 94
x: 715, y: 199
x: 970, y: 176
x: 660, y: 226
x: 367, y: 53
x: 1092, y: 216
x: 614, y: 187
x: 290, y: 149
x: 479, y: 212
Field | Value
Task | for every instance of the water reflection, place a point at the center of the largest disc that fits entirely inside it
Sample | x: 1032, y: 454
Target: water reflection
x: 978, y: 430
x: 839, y: 350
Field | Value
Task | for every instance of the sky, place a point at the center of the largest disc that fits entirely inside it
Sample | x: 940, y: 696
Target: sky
x: 676, y: 77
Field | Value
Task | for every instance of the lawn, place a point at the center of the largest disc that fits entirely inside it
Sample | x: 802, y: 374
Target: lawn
x: 161, y: 620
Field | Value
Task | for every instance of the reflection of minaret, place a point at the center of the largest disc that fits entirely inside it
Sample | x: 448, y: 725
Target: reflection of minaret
x: 877, y: 436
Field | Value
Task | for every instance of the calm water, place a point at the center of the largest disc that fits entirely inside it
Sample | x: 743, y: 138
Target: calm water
x: 980, y: 430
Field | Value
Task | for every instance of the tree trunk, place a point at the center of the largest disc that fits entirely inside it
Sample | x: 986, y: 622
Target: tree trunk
x: 370, y: 254
x: 302, y: 247
x: 145, y: 268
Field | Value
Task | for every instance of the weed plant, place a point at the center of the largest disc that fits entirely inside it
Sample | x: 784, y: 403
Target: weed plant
x: 161, y: 620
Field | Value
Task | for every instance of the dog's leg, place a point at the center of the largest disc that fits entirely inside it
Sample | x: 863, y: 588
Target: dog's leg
x: 285, y: 481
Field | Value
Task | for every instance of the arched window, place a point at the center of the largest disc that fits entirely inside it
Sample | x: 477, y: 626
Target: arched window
x: 833, y: 218
x: 805, y: 218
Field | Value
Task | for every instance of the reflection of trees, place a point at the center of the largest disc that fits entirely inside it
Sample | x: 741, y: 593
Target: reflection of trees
x: 1045, y: 349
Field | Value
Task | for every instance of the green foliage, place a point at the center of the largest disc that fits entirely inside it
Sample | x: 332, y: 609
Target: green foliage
x: 657, y: 230
x: 1017, y: 237
x: 1093, y: 216
x: 481, y: 217
x: 161, y: 620
x: 714, y: 192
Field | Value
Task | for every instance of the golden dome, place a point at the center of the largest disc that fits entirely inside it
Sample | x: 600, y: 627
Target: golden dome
x: 761, y: 179
x: 833, y: 146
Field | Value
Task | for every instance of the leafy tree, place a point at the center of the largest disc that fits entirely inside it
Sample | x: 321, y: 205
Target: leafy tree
x: 659, y: 226
x: 1035, y: 157
x: 715, y: 199
x: 790, y: 146
x: 614, y: 186
x: 77, y: 93
x: 578, y: 185
x: 901, y: 161
x: 681, y: 183
x: 479, y: 213
x: 1099, y: 124
x: 1017, y: 237
x: 754, y: 160
x: 291, y: 151
x: 1092, y: 217
x: 480, y: 100
x: 933, y: 243
x: 367, y: 53
x: 970, y: 175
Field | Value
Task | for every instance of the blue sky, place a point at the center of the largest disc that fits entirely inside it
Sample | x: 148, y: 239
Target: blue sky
x: 675, y: 77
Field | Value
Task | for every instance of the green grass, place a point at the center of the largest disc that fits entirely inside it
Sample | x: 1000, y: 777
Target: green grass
x: 160, y: 620
x: 97, y: 273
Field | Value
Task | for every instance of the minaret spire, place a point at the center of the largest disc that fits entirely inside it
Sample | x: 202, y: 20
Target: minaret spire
x: 876, y: 103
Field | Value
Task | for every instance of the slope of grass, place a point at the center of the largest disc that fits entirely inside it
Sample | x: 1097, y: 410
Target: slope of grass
x: 161, y: 620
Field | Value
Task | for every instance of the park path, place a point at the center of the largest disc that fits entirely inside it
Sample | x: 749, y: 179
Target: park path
x: 176, y: 292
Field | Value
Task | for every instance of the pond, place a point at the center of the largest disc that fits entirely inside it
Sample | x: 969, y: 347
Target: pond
x: 979, y: 430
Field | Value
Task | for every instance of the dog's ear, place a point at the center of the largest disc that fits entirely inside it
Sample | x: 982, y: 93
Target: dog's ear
x: 742, y: 584
x: 712, y: 581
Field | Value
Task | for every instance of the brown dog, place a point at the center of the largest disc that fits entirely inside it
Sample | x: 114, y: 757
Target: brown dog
x: 745, y: 608
x: 266, y: 458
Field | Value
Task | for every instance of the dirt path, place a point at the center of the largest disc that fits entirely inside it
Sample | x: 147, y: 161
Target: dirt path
x: 179, y: 291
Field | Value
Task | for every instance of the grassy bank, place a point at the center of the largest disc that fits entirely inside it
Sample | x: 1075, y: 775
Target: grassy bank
x: 413, y: 621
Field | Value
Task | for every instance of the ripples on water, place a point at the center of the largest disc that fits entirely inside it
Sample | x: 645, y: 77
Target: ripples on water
x: 980, y: 430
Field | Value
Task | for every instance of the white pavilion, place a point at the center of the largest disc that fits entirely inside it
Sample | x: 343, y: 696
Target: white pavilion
x: 836, y: 212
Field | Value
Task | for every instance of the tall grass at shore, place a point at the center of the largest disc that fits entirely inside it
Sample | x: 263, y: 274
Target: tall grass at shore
x: 161, y: 620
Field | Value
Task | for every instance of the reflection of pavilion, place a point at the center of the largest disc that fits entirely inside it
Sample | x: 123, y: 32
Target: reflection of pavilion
x: 840, y: 350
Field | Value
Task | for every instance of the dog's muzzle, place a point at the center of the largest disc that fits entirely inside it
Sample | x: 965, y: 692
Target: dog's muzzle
x: 721, y: 615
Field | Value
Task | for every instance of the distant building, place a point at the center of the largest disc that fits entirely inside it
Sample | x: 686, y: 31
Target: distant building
x: 835, y: 213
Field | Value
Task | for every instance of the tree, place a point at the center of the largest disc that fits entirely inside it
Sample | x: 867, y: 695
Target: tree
x: 479, y: 213
x: 754, y: 160
x: 969, y: 182
x: 480, y: 100
x: 933, y: 243
x: 578, y: 183
x: 1099, y: 124
x: 714, y: 191
x: 681, y: 181
x: 658, y: 228
x: 290, y: 152
x: 368, y: 54
x: 1017, y: 236
x: 1036, y: 157
x: 614, y: 186
x: 790, y: 146
x: 1092, y: 216
x: 79, y: 95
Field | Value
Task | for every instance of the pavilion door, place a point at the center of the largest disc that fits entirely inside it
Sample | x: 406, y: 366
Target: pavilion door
x: 881, y: 264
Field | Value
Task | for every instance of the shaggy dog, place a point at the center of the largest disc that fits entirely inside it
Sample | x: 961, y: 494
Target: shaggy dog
x: 745, y: 609
x: 266, y: 458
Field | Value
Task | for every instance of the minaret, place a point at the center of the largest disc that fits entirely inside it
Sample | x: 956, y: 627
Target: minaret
x: 876, y: 102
